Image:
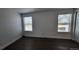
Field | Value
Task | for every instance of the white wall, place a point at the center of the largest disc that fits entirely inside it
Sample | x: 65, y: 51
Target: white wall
x: 10, y: 26
x: 45, y: 24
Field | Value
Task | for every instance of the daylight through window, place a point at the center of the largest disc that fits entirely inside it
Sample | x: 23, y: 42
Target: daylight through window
x: 27, y: 23
x: 64, y: 22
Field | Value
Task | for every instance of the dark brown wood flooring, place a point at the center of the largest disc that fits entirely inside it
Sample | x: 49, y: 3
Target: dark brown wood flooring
x: 29, y: 43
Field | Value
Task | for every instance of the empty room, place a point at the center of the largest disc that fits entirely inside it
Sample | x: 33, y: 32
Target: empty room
x: 39, y: 28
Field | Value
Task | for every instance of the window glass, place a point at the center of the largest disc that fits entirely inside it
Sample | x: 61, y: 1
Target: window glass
x: 27, y: 23
x: 64, y: 22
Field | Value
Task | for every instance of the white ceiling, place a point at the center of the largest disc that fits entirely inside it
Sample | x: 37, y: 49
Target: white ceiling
x: 27, y: 10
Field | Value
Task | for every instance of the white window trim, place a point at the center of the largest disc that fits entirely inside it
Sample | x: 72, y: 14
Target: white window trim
x: 69, y: 30
x: 26, y: 25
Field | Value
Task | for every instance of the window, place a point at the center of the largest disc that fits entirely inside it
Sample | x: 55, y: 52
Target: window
x: 27, y: 23
x: 64, y: 22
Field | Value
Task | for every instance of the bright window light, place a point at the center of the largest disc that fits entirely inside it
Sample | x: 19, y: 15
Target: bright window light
x: 64, y: 22
x: 27, y: 23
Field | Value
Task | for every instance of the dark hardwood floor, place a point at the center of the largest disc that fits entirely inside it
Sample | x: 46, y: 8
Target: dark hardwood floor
x: 30, y: 43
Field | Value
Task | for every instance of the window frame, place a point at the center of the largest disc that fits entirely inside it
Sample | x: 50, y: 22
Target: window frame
x: 23, y: 25
x: 69, y: 24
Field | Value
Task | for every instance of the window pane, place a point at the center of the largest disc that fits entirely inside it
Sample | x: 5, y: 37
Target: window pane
x: 27, y: 23
x: 64, y: 22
